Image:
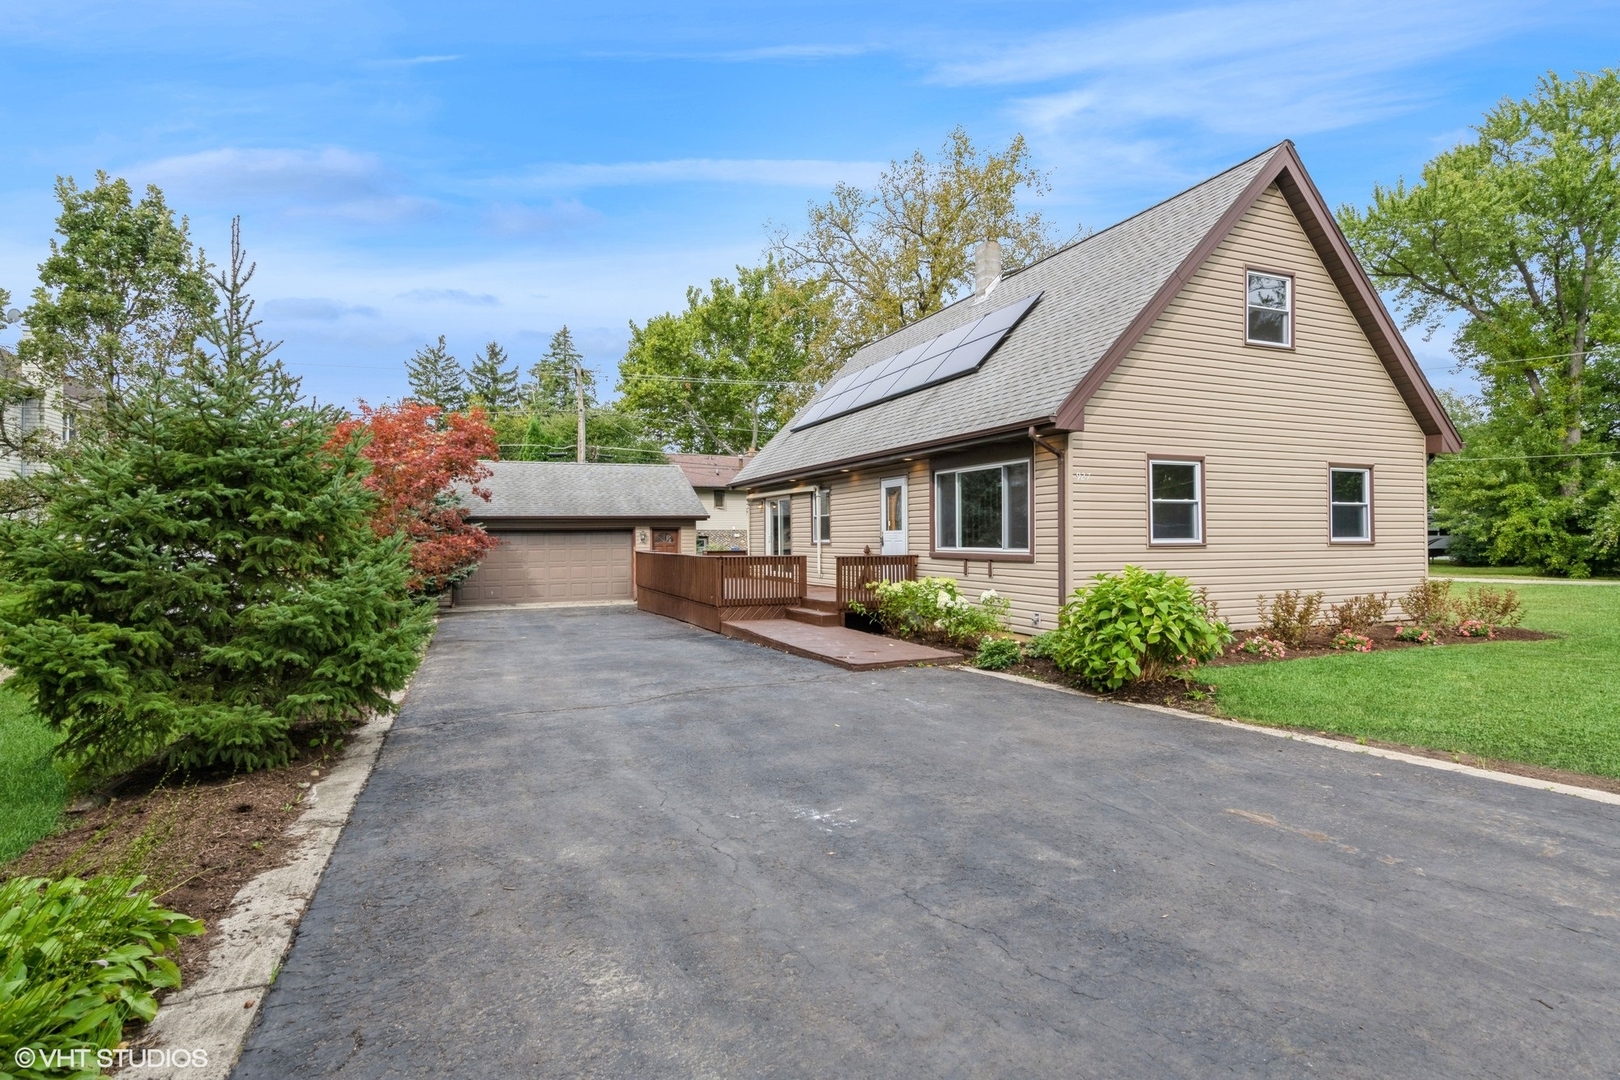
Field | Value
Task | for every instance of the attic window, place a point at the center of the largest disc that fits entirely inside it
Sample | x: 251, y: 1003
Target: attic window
x: 1271, y: 309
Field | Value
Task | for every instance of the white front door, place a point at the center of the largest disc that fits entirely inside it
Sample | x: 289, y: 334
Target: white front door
x: 893, y: 513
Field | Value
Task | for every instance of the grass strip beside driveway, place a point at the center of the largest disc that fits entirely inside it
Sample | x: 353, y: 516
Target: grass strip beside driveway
x: 1553, y: 703
x: 32, y: 791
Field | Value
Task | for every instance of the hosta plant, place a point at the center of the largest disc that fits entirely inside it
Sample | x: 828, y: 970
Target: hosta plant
x: 998, y: 654
x: 1134, y: 625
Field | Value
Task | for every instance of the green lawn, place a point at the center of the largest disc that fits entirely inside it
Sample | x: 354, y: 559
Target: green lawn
x: 32, y: 792
x: 1445, y: 569
x: 1554, y: 703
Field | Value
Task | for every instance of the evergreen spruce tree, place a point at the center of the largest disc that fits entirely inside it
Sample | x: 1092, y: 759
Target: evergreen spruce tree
x: 493, y: 380
x: 551, y: 380
x: 436, y: 378
x: 194, y: 589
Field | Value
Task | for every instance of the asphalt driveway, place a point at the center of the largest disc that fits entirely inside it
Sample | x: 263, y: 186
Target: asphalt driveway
x: 601, y: 843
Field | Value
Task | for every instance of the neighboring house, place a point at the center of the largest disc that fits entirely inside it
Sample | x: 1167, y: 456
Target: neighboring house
x: 568, y: 529
x: 1211, y: 387
x: 710, y: 476
x: 44, y: 418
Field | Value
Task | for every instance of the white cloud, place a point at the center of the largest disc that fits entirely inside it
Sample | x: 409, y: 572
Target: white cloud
x: 777, y: 172
x: 460, y: 297
x: 414, y: 61
x: 328, y: 183
x: 563, y: 215
x: 315, y: 309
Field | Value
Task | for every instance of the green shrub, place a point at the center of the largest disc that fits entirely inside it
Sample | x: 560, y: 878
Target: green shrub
x: 1430, y: 604
x: 1291, y: 616
x: 1486, y: 605
x: 1360, y: 613
x: 77, y: 960
x: 934, y: 607
x: 1134, y: 625
x: 998, y: 653
x: 1040, y: 646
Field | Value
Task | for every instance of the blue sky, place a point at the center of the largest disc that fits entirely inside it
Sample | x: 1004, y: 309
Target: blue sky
x: 487, y: 170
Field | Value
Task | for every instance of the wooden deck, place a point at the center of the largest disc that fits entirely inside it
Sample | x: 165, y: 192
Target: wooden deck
x: 838, y: 645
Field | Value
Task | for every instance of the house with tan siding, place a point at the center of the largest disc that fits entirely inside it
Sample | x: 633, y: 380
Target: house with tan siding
x: 1210, y: 387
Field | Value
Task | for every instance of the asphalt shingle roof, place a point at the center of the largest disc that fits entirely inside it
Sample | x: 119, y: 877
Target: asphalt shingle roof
x: 567, y: 489
x: 1091, y: 292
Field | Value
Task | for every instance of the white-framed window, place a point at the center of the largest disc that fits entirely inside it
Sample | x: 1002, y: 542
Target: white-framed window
x: 1270, y: 309
x: 982, y: 508
x: 779, y: 526
x: 1175, y: 501
x: 1350, y: 504
x: 821, y: 509
x: 719, y: 499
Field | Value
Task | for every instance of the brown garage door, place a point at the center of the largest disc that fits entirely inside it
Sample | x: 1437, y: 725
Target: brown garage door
x: 543, y: 567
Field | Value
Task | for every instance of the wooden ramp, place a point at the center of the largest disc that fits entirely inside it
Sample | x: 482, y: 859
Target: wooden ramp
x: 837, y: 644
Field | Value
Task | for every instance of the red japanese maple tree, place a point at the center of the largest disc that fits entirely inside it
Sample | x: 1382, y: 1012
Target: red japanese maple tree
x: 416, y: 463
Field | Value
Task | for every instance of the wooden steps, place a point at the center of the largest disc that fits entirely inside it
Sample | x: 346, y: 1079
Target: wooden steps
x: 815, y: 616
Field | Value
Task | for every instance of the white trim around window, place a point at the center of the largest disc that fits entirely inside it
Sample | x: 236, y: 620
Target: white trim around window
x: 1175, y: 500
x: 779, y: 526
x: 1268, y: 315
x: 1350, y: 504
x: 983, y: 508
x: 821, y: 516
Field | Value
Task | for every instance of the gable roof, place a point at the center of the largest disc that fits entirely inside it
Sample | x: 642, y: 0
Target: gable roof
x: 566, y: 489
x: 709, y: 470
x: 1099, y: 296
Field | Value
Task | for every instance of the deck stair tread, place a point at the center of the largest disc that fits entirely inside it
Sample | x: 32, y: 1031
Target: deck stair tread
x: 815, y: 616
x: 838, y: 645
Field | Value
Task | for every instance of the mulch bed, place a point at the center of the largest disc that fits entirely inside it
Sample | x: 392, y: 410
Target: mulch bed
x: 198, y: 839
x: 1383, y: 637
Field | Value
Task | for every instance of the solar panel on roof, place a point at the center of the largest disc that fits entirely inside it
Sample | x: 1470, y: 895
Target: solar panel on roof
x: 955, y: 352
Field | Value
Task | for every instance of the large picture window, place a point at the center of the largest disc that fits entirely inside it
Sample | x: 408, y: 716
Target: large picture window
x: 1176, y: 502
x: 982, y: 508
x: 1350, y: 504
x: 1271, y: 309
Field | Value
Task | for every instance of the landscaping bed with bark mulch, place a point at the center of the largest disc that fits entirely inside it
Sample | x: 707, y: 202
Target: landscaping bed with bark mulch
x: 197, y: 839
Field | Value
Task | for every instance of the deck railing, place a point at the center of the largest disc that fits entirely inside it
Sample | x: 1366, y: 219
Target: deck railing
x: 856, y: 572
x: 724, y: 581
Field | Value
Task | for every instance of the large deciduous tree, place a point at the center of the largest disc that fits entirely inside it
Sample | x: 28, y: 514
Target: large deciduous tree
x: 899, y: 251
x: 1515, y: 236
x: 726, y: 373
x: 419, y: 458
x: 198, y: 585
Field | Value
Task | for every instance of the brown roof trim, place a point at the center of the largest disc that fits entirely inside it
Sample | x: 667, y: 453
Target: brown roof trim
x: 821, y: 468
x: 1287, y: 171
x: 511, y: 521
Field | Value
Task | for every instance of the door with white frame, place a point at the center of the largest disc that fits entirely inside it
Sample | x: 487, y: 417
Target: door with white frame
x: 893, y: 514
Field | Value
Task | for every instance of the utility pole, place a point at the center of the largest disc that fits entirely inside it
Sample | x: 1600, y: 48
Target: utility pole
x: 579, y: 398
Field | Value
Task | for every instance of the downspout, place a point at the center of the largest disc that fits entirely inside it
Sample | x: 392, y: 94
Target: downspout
x: 1057, y: 451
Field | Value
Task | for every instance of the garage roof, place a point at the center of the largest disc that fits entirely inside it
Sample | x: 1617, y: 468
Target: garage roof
x: 574, y: 490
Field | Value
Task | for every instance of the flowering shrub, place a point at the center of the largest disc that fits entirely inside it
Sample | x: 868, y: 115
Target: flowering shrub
x: 1352, y: 642
x: 1475, y: 628
x: 1417, y: 634
x: 998, y: 653
x: 1265, y: 647
x: 934, y: 607
x: 1134, y: 625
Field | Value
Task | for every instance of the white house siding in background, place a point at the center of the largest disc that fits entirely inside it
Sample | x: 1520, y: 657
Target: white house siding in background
x: 25, y: 417
x: 1268, y: 422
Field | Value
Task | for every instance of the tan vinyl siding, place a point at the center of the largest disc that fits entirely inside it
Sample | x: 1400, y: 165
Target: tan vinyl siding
x: 1268, y: 423
x: 1032, y: 587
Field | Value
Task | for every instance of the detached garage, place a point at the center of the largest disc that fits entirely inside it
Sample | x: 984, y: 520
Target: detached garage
x: 568, y: 530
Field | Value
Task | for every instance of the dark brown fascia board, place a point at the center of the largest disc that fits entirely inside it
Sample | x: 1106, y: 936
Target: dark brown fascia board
x: 884, y: 457
x: 1287, y: 171
x: 514, y: 521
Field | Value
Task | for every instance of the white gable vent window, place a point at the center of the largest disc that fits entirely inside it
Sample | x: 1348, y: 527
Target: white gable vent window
x: 1271, y: 309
